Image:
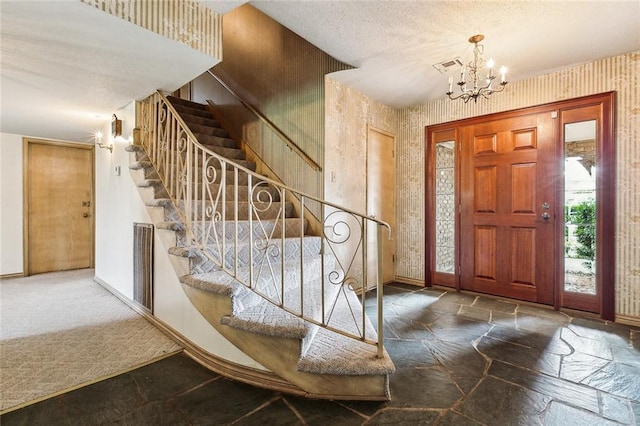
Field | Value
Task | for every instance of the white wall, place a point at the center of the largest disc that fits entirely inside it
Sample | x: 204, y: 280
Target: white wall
x: 11, y: 247
x: 118, y: 205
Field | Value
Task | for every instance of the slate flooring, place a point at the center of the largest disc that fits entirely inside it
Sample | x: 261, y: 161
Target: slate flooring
x: 460, y: 359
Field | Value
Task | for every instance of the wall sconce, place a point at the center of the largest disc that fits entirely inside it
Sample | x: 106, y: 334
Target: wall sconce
x: 98, y: 138
x: 116, y: 126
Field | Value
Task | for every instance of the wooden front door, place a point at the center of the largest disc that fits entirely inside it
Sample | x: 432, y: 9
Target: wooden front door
x: 58, y: 206
x: 507, y: 211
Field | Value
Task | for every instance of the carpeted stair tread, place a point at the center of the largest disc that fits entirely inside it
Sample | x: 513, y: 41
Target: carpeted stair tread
x: 183, y: 251
x: 249, y: 312
x: 139, y: 165
x: 171, y: 226
x: 230, y: 153
x: 248, y: 253
x: 150, y: 182
x: 332, y: 353
x: 207, y: 130
x: 185, y: 102
x: 268, y: 320
x: 264, y: 210
x: 182, y: 109
x: 134, y: 148
x: 159, y: 202
x: 159, y: 189
x: 216, y: 141
x: 218, y: 282
x: 200, y: 121
x: 263, y: 229
x: 243, y: 192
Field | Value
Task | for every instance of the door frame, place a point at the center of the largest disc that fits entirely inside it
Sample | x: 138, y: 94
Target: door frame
x: 605, y: 190
x: 26, y: 185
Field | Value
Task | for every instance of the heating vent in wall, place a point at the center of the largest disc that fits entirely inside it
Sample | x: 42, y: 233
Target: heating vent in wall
x: 143, y: 264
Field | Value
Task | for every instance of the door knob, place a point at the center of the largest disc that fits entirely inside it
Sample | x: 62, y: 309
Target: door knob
x: 545, y: 216
x: 85, y: 215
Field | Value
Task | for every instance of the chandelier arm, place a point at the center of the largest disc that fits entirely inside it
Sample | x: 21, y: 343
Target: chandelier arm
x: 462, y: 95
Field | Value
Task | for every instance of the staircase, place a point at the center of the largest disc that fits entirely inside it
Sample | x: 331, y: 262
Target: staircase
x: 283, y: 297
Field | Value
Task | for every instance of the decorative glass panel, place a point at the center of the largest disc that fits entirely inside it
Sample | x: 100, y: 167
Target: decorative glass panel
x: 445, y: 207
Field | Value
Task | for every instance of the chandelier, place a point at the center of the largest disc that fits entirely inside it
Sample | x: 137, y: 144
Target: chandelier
x: 482, y: 87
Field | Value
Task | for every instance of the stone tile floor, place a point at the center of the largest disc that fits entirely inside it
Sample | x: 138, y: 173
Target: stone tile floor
x: 461, y: 360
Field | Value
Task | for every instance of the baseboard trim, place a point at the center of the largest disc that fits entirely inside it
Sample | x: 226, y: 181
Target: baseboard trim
x: 8, y: 276
x: 628, y: 320
x: 410, y: 281
x: 241, y: 373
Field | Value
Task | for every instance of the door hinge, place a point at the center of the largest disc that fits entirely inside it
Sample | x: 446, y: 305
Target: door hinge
x: 393, y: 258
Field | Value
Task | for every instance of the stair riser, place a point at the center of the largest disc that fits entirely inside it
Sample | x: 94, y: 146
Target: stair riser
x: 200, y: 121
x: 216, y: 141
x: 271, y: 229
x: 262, y: 192
x: 271, y: 255
x: 213, y: 163
x: 193, y: 111
x: 205, y: 129
x: 158, y: 190
x: 244, y: 211
x: 230, y: 153
x: 243, y: 193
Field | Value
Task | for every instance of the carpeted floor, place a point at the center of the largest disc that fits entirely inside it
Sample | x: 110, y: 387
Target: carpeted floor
x: 60, y: 331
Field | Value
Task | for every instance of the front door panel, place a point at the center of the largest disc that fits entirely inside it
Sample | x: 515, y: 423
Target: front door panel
x: 506, y: 208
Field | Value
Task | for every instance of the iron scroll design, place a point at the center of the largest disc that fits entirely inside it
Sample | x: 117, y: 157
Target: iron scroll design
x: 241, y: 221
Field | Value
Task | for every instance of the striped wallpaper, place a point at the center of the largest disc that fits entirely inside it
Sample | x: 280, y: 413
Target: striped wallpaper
x: 185, y: 21
x: 348, y: 112
x: 620, y: 74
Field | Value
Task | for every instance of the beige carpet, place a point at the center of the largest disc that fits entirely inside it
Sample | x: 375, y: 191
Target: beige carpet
x: 61, y: 330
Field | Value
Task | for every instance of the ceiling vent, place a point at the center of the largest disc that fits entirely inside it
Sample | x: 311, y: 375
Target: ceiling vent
x: 445, y: 66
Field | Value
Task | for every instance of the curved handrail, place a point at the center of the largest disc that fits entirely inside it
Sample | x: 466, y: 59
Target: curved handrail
x: 264, y: 178
x: 188, y: 170
x: 291, y: 144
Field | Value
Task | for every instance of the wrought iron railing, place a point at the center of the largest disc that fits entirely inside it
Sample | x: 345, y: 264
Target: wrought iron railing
x: 241, y: 221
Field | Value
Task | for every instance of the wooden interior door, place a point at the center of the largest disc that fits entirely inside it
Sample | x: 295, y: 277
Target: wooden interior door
x: 381, y: 200
x: 507, y: 211
x: 58, y: 206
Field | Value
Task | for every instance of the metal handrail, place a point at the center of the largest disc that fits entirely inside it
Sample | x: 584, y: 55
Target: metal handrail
x: 196, y: 179
x: 290, y: 143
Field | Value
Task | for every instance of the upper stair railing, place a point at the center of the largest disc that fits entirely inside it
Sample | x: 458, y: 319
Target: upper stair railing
x: 286, y: 139
x: 240, y: 221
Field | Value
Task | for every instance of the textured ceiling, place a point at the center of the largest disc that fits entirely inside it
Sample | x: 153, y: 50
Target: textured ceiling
x: 66, y: 67
x: 59, y: 73
x: 394, y: 44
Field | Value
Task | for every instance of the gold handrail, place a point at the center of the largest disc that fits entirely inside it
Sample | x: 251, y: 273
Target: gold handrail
x: 291, y: 144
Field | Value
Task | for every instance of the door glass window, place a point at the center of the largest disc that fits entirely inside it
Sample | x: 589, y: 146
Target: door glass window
x: 580, y: 207
x: 445, y: 207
